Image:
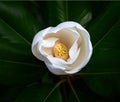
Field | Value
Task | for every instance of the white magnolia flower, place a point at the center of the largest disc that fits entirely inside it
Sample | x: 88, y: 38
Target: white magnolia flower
x: 65, y: 49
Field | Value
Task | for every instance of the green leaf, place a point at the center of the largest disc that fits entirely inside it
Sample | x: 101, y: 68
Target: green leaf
x: 20, y: 19
x: 16, y: 73
x: 60, y: 11
x: 17, y: 64
x: 103, y: 22
x: 87, y: 95
x: 103, y: 72
x: 8, y: 94
x: 38, y: 92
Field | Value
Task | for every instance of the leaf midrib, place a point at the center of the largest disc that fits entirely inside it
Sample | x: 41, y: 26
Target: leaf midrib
x: 17, y: 62
x: 18, y: 34
x: 106, y: 34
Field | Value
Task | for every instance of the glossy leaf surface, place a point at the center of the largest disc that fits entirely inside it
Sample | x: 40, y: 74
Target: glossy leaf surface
x: 105, y: 60
x: 17, y: 64
x: 38, y: 93
x: 23, y: 78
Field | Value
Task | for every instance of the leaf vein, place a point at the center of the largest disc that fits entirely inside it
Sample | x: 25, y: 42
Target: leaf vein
x: 60, y: 82
x: 16, y: 32
x: 16, y: 62
x: 104, y: 36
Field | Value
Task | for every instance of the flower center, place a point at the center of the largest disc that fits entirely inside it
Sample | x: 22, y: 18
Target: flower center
x: 60, y: 51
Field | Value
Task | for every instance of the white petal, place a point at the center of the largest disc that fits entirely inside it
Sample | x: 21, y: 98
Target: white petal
x: 38, y: 38
x: 69, y: 24
x: 84, y: 57
x: 73, y: 50
x: 73, y: 60
x: 57, y: 61
x: 82, y: 64
x: 68, y: 36
x: 61, y: 63
x: 35, y: 51
x: 50, y: 42
x: 47, y: 51
x: 55, y: 69
x: 64, y: 25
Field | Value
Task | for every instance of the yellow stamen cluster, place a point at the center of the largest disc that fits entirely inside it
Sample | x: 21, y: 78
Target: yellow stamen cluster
x: 60, y: 51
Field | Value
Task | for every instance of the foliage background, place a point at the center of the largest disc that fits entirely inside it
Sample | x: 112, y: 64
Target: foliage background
x: 23, y: 78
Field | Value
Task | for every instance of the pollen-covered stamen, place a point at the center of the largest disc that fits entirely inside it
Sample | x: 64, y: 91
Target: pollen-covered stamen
x: 61, y: 51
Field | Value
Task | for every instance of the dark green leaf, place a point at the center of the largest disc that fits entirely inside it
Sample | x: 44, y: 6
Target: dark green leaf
x: 87, y: 95
x: 61, y: 11
x: 20, y: 19
x: 17, y: 64
x: 16, y: 73
x: 104, y: 21
x: 8, y: 94
x: 38, y: 92
x: 103, y: 70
